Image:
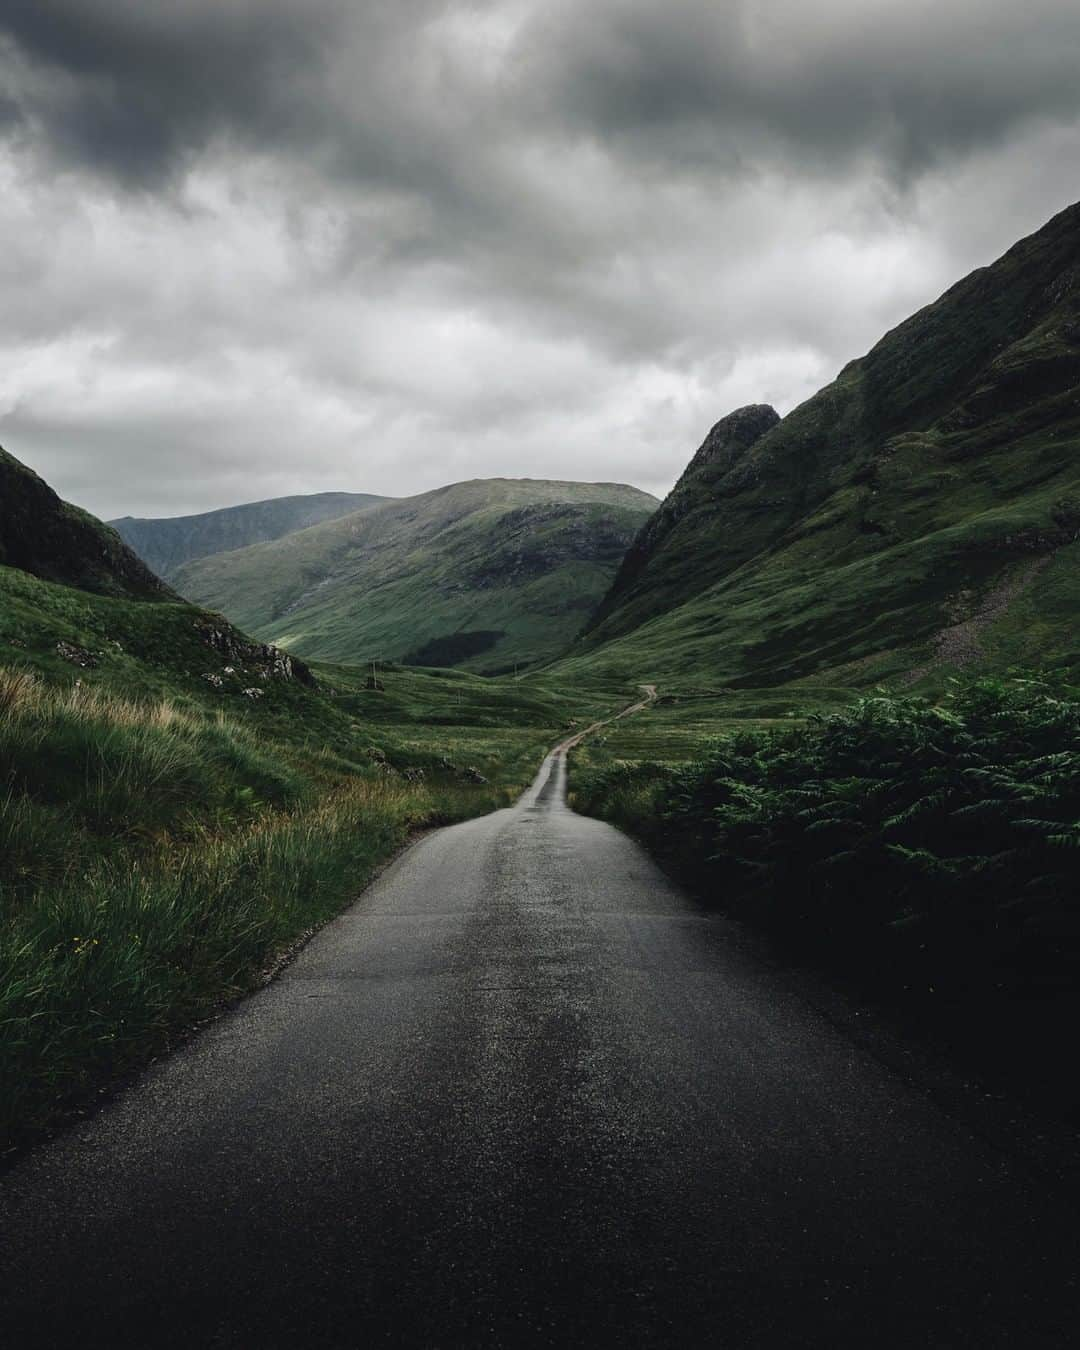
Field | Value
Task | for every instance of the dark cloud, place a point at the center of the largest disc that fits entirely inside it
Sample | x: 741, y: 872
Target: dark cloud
x: 379, y: 87
x: 135, y: 89
x: 907, y: 83
x: 316, y: 243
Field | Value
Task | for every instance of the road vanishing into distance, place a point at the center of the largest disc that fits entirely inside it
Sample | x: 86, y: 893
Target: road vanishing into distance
x: 526, y: 1092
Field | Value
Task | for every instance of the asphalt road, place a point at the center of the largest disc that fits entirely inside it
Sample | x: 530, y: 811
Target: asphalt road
x: 524, y: 1092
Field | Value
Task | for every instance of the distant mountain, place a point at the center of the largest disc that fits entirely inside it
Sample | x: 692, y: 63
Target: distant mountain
x: 479, y: 574
x: 55, y: 541
x: 167, y: 543
x: 920, y: 514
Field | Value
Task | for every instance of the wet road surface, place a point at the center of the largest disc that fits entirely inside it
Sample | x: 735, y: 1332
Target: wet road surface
x: 525, y: 1092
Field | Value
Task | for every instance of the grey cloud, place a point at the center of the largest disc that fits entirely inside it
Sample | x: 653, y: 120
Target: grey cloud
x: 276, y: 245
x: 139, y: 87
x: 134, y: 89
x: 909, y: 84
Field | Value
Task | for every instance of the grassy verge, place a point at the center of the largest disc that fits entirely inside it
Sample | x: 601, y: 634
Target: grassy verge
x: 158, y: 855
x: 927, y: 853
x: 103, y: 970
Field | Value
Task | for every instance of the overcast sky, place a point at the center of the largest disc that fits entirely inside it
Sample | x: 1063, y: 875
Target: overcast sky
x: 256, y: 247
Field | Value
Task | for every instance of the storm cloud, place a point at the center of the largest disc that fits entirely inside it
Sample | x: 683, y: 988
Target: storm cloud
x: 262, y: 246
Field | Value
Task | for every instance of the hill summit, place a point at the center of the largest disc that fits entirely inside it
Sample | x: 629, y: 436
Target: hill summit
x: 482, y: 574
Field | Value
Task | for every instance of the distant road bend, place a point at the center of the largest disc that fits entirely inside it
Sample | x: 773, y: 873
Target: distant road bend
x: 526, y: 1092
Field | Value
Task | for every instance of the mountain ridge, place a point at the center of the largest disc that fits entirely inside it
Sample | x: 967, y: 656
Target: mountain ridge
x: 881, y: 511
x: 166, y: 543
x: 724, y: 446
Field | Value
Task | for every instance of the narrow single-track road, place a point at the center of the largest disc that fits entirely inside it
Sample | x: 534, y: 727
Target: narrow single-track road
x: 526, y: 1093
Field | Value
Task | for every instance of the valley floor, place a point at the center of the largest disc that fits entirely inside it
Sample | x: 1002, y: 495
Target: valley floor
x: 527, y: 1092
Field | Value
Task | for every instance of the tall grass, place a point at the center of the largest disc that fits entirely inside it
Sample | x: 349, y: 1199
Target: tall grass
x: 113, y: 765
x: 152, y: 864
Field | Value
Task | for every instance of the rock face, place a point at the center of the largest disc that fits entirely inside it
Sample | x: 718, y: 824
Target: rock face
x: 719, y: 454
x: 166, y: 544
x: 245, y: 658
x: 535, y: 540
x: 725, y: 445
x: 43, y: 535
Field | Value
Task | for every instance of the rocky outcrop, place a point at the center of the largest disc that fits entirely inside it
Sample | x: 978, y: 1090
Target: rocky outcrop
x: 246, y: 658
x: 726, y: 444
x: 76, y: 656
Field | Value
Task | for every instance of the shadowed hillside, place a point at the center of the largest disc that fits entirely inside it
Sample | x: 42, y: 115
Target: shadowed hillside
x: 919, y: 515
x: 43, y: 535
x: 669, y: 560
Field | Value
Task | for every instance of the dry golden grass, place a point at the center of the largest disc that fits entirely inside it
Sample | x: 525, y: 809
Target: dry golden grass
x: 25, y: 695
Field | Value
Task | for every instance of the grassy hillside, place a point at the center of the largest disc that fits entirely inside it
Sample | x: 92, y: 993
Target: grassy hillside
x: 492, y: 572
x: 917, y: 517
x: 166, y: 544
x: 914, y: 525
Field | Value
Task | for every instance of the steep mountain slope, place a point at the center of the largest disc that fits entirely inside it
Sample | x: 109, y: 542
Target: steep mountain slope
x: 479, y: 574
x: 43, y: 535
x: 918, y: 515
x: 658, y: 571
x: 166, y: 544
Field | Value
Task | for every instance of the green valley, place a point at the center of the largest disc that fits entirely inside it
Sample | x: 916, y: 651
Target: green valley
x: 861, y: 619
x: 181, y: 803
